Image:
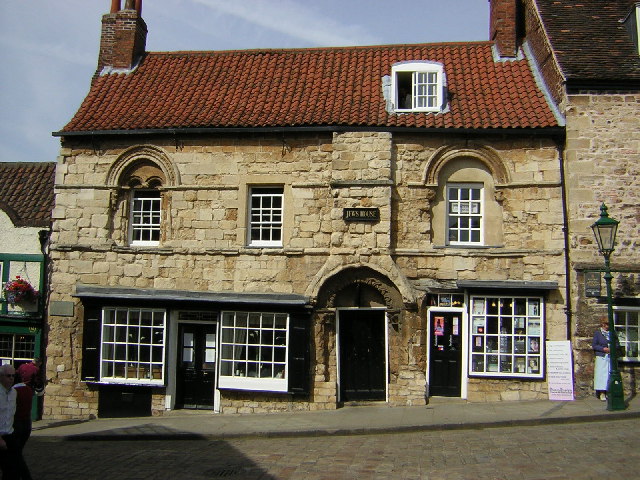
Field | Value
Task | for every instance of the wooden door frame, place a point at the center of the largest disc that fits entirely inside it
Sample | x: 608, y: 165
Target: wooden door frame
x: 172, y: 373
x: 386, y: 348
x: 464, y: 339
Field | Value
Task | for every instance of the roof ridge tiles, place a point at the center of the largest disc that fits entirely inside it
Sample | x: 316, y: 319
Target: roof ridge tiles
x: 476, y: 43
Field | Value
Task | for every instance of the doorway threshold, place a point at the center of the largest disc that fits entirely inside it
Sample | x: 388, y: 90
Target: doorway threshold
x: 441, y: 400
x: 363, y: 403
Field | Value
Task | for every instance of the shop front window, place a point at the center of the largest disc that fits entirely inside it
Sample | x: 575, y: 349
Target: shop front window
x: 253, y: 352
x: 626, y: 321
x: 507, y: 337
x: 17, y: 348
x: 133, y: 345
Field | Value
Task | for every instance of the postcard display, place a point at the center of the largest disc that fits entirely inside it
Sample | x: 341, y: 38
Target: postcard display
x: 506, y: 337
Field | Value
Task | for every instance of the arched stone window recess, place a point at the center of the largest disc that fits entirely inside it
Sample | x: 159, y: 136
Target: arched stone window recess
x: 138, y: 200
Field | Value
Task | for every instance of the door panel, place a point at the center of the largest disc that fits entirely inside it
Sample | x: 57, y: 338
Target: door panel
x: 196, y: 375
x: 362, y: 355
x: 445, y: 356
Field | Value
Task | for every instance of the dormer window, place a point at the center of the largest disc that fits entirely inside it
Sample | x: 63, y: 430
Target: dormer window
x: 418, y: 86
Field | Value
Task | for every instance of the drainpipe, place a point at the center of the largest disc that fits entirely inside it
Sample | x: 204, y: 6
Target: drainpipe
x: 565, y: 229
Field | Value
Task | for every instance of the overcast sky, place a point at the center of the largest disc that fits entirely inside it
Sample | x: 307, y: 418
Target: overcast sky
x: 48, y: 48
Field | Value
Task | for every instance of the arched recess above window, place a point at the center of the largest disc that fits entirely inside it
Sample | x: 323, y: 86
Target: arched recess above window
x: 139, y: 200
x: 143, y: 166
x: 482, y: 153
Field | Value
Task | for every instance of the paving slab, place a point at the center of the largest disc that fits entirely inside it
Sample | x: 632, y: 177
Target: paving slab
x: 439, y: 414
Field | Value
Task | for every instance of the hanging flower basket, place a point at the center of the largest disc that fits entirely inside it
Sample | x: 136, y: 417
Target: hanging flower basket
x: 19, y: 290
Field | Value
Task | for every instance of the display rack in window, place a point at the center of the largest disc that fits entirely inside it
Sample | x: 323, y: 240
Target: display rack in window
x: 506, y: 336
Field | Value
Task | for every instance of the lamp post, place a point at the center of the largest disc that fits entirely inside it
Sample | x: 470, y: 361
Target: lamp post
x: 605, y: 229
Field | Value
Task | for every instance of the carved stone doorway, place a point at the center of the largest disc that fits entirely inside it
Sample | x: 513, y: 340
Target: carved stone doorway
x: 362, y: 303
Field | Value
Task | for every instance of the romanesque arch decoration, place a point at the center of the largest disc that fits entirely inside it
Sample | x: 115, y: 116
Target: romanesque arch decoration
x: 486, y: 155
x: 148, y: 157
x: 354, y: 277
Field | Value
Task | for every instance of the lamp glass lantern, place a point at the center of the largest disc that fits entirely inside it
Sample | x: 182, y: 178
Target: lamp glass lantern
x: 605, y: 230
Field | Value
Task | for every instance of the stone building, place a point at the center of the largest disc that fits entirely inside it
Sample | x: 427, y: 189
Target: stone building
x: 26, y: 202
x: 270, y: 230
x: 589, y: 57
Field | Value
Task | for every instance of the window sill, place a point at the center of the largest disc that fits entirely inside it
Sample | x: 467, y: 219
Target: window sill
x: 254, y: 384
x: 142, y: 249
x: 127, y: 382
x: 507, y: 376
x: 468, y: 247
x: 629, y: 360
x: 418, y: 110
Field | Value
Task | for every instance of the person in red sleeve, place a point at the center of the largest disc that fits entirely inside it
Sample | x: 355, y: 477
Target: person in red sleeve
x: 30, y: 373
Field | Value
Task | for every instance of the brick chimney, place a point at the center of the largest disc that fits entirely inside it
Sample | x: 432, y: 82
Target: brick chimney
x: 503, y: 28
x: 124, y: 36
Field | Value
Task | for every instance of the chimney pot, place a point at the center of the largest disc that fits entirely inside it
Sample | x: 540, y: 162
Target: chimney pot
x: 121, y: 46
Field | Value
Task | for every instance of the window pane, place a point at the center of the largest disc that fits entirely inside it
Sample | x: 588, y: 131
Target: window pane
x: 464, y: 217
x: 266, y: 216
x: 135, y: 345
x: 252, y: 338
x: 146, y: 216
x: 501, y: 324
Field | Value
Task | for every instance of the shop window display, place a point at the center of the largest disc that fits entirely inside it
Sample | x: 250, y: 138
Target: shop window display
x: 506, y: 337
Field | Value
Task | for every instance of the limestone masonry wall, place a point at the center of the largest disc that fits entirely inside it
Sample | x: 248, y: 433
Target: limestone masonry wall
x: 203, y: 246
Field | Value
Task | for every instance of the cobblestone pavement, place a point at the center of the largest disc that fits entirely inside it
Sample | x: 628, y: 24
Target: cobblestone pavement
x: 580, y: 451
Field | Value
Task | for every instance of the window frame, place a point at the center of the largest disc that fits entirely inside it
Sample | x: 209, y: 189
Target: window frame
x: 240, y: 351
x: 105, y: 361
x: 470, y: 215
x: 27, y: 266
x: 500, y: 336
x: 255, y: 220
x: 149, y: 226
x: 10, y: 355
x: 623, y: 340
x: 418, y: 69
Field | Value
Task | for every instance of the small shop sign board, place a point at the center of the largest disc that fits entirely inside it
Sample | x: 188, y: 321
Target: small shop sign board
x: 592, y: 286
x: 559, y: 370
x: 361, y: 214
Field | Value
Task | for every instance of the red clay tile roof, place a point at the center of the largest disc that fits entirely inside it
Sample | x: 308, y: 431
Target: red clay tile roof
x: 589, y: 41
x: 26, y: 192
x: 309, y: 88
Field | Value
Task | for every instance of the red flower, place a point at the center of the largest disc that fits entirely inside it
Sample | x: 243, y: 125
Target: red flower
x: 18, y: 290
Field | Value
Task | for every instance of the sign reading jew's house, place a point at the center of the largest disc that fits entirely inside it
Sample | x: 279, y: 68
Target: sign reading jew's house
x: 559, y: 370
x: 361, y: 214
x: 592, y: 284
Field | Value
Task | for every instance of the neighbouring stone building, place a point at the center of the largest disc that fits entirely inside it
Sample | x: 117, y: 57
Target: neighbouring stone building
x: 26, y: 202
x: 271, y: 230
x: 589, y: 55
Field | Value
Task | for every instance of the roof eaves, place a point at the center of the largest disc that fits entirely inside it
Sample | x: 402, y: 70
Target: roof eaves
x: 551, y: 130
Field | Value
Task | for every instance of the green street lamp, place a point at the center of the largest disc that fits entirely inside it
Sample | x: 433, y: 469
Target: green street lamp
x: 605, y: 229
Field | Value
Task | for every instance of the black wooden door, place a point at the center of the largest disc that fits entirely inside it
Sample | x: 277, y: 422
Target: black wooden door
x: 362, y: 355
x: 196, y: 376
x: 445, y: 356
